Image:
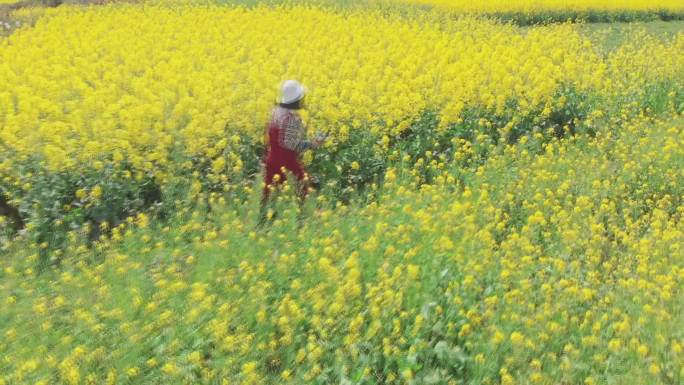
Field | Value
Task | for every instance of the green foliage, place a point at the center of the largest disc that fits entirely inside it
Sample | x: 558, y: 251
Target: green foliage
x: 57, y: 203
x: 336, y: 166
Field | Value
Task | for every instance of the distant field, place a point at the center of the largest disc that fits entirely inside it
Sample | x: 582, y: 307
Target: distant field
x: 531, y: 12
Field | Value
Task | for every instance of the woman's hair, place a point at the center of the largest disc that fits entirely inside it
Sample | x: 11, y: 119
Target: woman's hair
x: 294, y: 105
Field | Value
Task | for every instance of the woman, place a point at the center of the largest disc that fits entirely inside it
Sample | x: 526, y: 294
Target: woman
x: 286, y: 141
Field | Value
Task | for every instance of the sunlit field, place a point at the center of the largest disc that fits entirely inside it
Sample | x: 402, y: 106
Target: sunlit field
x: 499, y: 199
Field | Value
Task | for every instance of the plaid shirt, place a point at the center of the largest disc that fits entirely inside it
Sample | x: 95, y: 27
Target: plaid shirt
x: 291, y: 133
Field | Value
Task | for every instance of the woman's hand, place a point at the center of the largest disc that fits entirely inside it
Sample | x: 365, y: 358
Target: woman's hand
x: 317, y: 143
x: 318, y: 140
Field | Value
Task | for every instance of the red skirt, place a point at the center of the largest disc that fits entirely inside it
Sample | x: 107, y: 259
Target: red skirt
x: 274, y: 168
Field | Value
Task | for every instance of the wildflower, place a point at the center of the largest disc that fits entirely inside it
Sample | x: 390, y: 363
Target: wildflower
x: 170, y: 369
x: 654, y: 369
x: 517, y: 338
x: 96, y: 192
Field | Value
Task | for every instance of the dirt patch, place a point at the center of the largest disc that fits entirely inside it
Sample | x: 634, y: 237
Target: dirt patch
x: 30, y: 3
x: 11, y: 212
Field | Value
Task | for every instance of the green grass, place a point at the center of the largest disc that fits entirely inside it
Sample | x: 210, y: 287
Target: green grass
x: 612, y: 35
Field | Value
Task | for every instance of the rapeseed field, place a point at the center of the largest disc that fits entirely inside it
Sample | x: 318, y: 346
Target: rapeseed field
x: 498, y: 204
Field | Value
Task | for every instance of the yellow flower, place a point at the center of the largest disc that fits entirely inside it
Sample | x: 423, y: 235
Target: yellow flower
x: 132, y: 371
x: 170, y: 369
x: 517, y: 338
x: 654, y: 369
x: 152, y: 362
x: 643, y: 350
x: 96, y: 192
x: 81, y: 193
x: 614, y: 345
x: 286, y: 374
x: 195, y: 358
x: 413, y: 271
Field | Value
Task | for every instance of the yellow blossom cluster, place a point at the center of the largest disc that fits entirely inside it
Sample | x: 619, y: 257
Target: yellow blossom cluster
x: 140, y: 85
